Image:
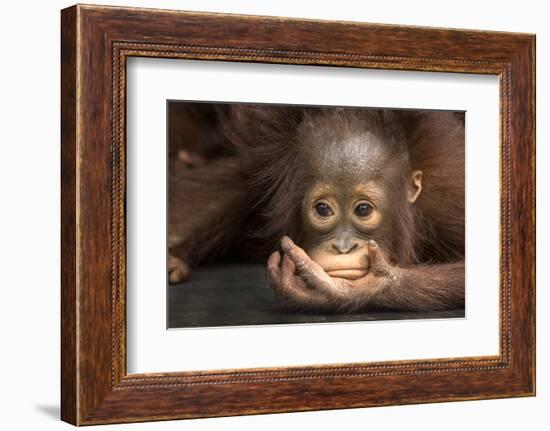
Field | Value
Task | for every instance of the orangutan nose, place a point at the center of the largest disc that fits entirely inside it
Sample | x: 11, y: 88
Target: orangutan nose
x: 344, y: 246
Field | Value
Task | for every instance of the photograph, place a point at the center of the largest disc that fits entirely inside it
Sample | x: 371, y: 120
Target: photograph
x: 272, y: 214
x: 275, y: 215
x: 281, y: 214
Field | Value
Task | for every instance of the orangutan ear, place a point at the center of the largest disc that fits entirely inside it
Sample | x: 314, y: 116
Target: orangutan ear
x: 415, y: 186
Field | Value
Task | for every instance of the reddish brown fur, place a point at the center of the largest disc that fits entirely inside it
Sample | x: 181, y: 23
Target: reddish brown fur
x: 436, y: 146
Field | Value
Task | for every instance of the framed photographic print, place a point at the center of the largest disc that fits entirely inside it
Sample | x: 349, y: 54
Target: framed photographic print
x: 265, y: 214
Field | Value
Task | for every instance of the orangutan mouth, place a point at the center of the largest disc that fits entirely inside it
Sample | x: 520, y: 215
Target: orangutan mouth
x: 348, y: 274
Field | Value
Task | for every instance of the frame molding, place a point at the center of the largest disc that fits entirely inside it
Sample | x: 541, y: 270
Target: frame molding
x: 95, y: 42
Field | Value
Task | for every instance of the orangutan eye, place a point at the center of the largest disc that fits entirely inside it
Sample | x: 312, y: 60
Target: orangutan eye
x: 323, y: 210
x: 363, y: 210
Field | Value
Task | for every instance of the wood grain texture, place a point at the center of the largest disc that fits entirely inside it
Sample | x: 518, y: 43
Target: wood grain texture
x: 69, y: 330
x: 96, y: 41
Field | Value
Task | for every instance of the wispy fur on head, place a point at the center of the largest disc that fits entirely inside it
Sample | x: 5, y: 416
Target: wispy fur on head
x: 357, y: 143
x: 265, y: 138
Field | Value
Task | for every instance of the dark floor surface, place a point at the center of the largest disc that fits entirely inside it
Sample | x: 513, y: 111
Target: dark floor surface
x: 236, y: 294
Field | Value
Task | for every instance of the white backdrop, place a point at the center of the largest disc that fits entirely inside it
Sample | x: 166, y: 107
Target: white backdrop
x: 29, y: 228
x: 151, y: 348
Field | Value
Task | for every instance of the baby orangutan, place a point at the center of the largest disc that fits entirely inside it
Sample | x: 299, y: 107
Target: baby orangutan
x: 357, y: 219
x: 374, y: 198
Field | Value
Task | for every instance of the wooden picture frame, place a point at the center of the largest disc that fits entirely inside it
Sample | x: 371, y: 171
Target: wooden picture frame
x: 95, y: 43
